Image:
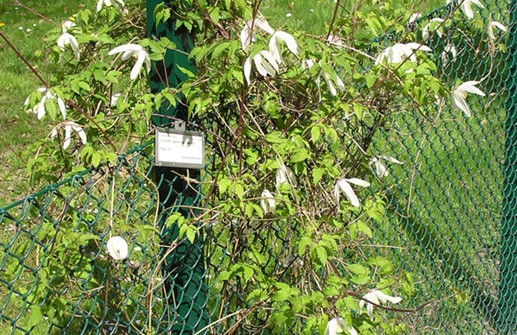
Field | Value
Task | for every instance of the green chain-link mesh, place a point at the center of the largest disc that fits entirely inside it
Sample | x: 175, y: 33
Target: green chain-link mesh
x: 452, y: 223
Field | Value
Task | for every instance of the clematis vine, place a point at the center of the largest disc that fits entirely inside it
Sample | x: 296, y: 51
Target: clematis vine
x: 399, y: 52
x: 338, y: 326
x: 491, y: 26
x: 380, y: 167
x: 267, y: 202
x: 466, y: 6
x: 117, y: 248
x: 69, y: 126
x: 343, y: 185
x: 376, y: 297
x: 118, y: 4
x: 133, y: 50
x: 40, y: 109
x: 459, y: 94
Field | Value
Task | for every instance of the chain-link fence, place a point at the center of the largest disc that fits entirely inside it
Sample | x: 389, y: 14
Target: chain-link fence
x: 451, y: 224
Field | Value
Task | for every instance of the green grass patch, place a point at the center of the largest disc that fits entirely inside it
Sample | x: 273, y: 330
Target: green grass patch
x: 25, y: 30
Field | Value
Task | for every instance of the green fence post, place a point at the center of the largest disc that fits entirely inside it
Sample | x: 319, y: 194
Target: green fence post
x: 184, y: 267
x: 508, y: 269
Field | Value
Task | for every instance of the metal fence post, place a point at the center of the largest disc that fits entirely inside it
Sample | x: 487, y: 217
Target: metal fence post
x: 508, y: 268
x: 184, y: 268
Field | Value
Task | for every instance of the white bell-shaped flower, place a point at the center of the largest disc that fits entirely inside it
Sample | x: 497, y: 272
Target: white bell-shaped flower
x: 267, y: 202
x: 343, y: 185
x: 277, y: 39
x: 491, y: 26
x: 376, y: 297
x: 133, y: 50
x: 459, y: 95
x: 338, y: 326
x: 117, y: 248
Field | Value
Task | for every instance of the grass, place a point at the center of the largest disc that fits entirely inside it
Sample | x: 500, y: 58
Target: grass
x: 25, y: 30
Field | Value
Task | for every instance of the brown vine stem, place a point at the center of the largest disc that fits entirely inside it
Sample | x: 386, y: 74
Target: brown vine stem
x: 23, y: 59
x: 334, y: 15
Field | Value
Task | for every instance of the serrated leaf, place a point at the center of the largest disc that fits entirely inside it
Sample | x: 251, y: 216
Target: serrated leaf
x: 275, y: 137
x: 223, y: 185
x: 321, y: 252
x: 96, y: 159
x: 247, y: 272
x: 239, y: 191
x: 363, y: 228
x: 300, y: 156
x: 358, y: 269
x: 302, y: 245
x: 360, y: 280
x: 35, y: 316
x: 315, y: 134
x: 317, y: 174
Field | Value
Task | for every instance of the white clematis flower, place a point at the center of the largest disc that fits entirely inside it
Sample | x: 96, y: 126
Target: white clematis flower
x: 491, y: 26
x: 449, y: 50
x: 466, y: 6
x: 69, y: 126
x: 68, y: 39
x: 275, y: 41
x: 413, y: 18
x: 133, y: 50
x: 117, y: 248
x: 343, y: 185
x: 338, y: 326
x: 267, y: 202
x: 378, y: 298
x: 460, y: 93
x: 265, y: 63
x: 425, y: 30
x: 333, y: 81
x: 39, y: 108
x: 399, y: 52
x: 380, y: 168
x: 247, y: 34
x: 115, y: 3
x: 284, y: 175
x: 67, y: 25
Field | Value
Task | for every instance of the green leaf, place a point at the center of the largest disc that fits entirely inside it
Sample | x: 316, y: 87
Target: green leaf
x: 321, y: 252
x: 317, y: 174
x: 370, y: 79
x: 35, y: 316
x: 238, y: 190
x: 358, y: 269
x: 360, y: 280
x: 300, y: 156
x: 302, y: 245
x: 247, y: 272
x: 223, y: 185
x: 96, y: 159
x: 316, y: 134
x: 275, y: 137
